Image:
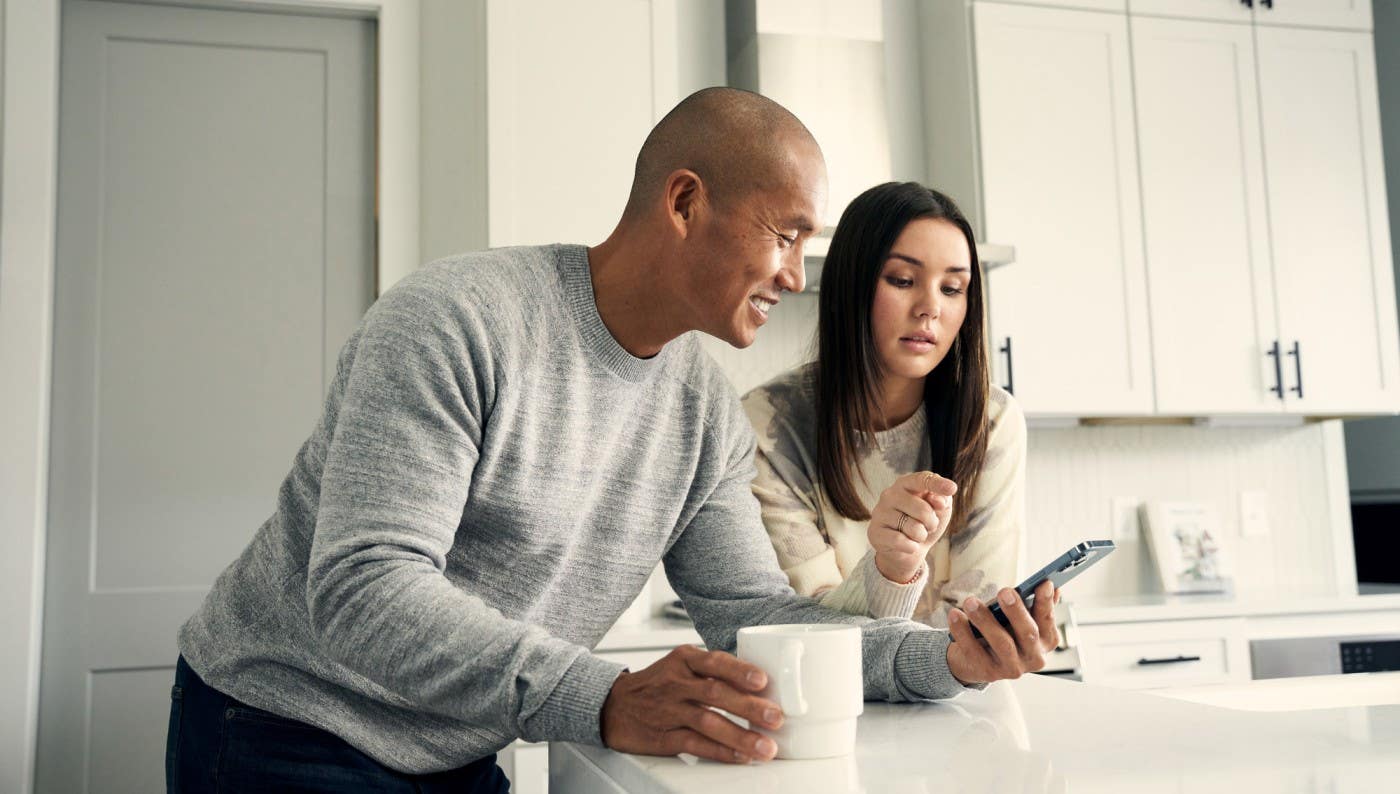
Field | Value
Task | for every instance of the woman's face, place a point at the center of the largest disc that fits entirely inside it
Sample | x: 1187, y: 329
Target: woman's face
x: 921, y: 297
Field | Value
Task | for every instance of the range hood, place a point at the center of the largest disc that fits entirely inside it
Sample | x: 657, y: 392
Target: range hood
x: 990, y: 255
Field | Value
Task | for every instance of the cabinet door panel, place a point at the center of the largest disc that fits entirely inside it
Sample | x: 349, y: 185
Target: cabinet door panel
x: 1327, y: 210
x: 1350, y: 14
x: 1221, y: 10
x: 1059, y: 164
x: 1205, y: 224
x: 1085, y: 5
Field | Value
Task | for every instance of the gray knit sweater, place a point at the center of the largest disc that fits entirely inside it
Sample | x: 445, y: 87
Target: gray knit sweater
x: 491, y: 482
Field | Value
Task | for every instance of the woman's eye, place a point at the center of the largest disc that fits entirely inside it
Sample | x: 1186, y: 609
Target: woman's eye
x: 952, y: 290
x: 897, y: 281
x: 786, y: 242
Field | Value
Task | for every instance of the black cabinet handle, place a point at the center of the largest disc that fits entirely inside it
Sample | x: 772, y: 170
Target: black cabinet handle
x: 1267, y: 3
x: 1297, y: 354
x: 1172, y: 660
x: 1277, y: 388
x: 1010, y: 376
x: 1247, y: 3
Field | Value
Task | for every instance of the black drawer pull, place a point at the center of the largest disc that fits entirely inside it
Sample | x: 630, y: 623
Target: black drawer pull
x: 1172, y: 660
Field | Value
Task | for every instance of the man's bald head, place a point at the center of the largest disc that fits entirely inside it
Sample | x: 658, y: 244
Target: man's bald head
x: 734, y: 140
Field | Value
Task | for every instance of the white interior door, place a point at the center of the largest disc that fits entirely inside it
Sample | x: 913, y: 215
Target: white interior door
x: 1328, y: 215
x: 1205, y: 222
x: 1349, y: 14
x: 215, y: 248
x: 1059, y: 169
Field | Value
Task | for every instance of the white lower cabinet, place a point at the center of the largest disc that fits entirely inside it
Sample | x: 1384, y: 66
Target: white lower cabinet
x: 1184, y: 652
x: 1164, y: 653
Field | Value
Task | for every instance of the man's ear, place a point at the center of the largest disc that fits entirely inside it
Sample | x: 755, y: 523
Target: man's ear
x: 685, y: 200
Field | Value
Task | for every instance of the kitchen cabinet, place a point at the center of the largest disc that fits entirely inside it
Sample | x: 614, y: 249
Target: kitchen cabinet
x: 1058, y: 176
x: 1085, y: 5
x: 1156, y: 641
x: 1328, y: 219
x: 1164, y: 653
x: 1221, y: 10
x: 1264, y: 211
x: 1344, y: 14
x: 1221, y: 176
x: 1349, y: 14
x: 1205, y: 217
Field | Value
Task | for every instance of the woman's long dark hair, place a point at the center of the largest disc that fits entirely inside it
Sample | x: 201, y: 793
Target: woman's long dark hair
x: 848, y: 362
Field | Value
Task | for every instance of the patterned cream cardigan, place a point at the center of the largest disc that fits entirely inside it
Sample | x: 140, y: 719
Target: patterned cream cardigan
x: 827, y: 556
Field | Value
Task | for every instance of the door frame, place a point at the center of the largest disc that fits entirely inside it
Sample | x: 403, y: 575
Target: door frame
x: 29, y: 87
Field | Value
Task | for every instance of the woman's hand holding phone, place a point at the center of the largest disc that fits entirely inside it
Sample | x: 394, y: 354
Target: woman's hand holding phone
x: 910, y: 517
x: 1002, y: 652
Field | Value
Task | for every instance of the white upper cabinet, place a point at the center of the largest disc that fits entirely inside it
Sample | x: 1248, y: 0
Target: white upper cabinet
x: 1328, y: 216
x: 574, y: 88
x: 1059, y: 181
x: 1349, y: 14
x: 1346, y: 14
x: 1222, y: 10
x: 1083, y: 5
x: 1205, y: 219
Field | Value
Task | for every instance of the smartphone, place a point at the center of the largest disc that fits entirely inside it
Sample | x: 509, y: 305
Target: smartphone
x: 1064, y: 568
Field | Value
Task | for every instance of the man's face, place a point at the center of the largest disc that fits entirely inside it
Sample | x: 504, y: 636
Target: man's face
x: 749, y: 248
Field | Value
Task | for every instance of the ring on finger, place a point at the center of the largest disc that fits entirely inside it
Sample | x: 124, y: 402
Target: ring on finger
x: 902, y: 518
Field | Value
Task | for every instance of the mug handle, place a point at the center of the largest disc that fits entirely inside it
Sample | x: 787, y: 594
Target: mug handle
x: 790, y: 697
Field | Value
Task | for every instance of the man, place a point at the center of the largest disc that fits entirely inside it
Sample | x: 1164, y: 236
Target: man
x: 513, y: 440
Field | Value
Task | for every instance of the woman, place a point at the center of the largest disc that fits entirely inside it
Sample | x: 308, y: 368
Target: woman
x: 889, y: 473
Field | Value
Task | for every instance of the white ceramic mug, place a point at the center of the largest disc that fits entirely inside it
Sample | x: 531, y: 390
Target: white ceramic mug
x: 814, y: 675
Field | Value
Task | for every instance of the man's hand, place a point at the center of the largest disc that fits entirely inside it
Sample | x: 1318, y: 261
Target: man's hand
x: 1002, y: 653
x: 663, y: 710
x: 910, y: 517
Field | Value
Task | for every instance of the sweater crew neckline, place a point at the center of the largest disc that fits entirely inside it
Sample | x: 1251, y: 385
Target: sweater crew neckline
x: 577, y: 280
x: 915, y: 427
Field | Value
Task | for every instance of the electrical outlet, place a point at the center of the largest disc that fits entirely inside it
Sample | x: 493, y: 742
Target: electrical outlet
x: 1123, y: 518
x: 1254, y: 514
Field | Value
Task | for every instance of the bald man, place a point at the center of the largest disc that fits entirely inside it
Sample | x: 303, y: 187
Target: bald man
x: 513, y: 440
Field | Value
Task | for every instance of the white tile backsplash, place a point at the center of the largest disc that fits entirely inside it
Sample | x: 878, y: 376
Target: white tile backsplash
x: 1073, y: 474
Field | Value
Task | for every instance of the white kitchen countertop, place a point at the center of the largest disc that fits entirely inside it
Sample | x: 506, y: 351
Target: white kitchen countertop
x: 1129, y: 609
x: 1041, y: 734
x: 656, y: 632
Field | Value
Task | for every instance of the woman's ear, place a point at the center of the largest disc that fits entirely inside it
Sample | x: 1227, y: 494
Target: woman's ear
x: 685, y: 196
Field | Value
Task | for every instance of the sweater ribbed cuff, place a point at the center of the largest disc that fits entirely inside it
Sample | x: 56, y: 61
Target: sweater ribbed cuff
x: 572, y: 711
x: 886, y: 599
x: 921, y: 667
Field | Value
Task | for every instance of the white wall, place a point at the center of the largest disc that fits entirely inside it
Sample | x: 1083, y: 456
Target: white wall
x: 452, y: 79
x: 27, y: 183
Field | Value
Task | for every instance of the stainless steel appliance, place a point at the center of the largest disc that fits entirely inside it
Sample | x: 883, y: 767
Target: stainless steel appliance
x: 1300, y: 656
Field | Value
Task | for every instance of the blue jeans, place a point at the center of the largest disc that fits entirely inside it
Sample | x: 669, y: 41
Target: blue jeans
x: 218, y: 744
